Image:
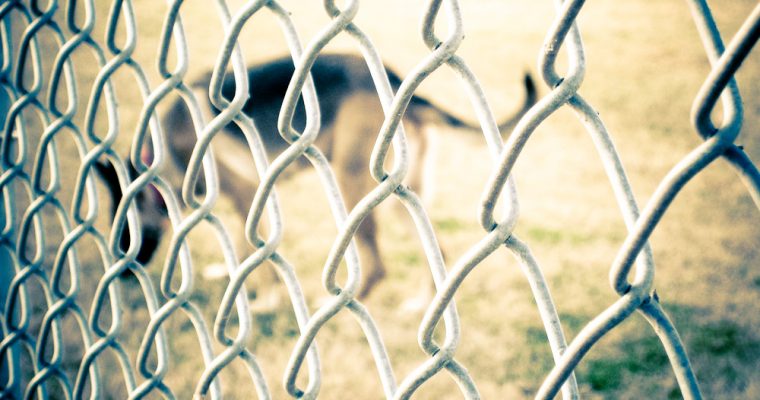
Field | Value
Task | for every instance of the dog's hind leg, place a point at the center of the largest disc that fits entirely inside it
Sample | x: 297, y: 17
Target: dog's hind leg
x: 354, y: 133
x: 421, y: 140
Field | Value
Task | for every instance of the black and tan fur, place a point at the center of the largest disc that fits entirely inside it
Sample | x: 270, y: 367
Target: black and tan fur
x: 351, y: 118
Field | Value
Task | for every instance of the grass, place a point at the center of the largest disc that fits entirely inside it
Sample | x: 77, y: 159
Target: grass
x: 635, y: 364
x: 644, y: 68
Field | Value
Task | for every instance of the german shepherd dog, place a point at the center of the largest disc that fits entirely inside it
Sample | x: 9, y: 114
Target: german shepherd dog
x: 351, y: 118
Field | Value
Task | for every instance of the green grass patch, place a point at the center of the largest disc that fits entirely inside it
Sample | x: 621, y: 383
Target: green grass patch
x: 572, y: 323
x: 717, y: 349
x: 639, y: 355
x: 556, y: 236
x: 725, y: 338
x: 410, y: 258
x: 603, y: 374
x: 646, y: 354
x: 535, y: 357
x: 450, y: 225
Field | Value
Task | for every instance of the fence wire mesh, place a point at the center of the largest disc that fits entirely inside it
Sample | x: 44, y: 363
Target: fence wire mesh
x: 83, y: 317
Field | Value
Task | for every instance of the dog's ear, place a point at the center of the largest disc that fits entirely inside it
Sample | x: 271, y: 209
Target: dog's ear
x: 107, y: 172
x: 151, y: 230
x: 531, y: 92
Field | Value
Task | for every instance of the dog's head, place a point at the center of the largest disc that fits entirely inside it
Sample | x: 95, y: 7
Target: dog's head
x: 151, y: 207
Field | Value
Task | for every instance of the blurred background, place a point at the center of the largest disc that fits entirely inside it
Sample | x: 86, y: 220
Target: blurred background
x: 645, y: 64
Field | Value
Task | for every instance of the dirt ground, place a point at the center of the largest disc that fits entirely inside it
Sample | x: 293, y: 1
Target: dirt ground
x: 645, y: 65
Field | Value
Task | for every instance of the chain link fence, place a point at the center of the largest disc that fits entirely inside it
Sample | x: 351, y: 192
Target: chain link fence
x: 71, y: 294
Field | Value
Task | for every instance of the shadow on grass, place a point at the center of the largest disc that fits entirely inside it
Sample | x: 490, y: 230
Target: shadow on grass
x: 633, y: 363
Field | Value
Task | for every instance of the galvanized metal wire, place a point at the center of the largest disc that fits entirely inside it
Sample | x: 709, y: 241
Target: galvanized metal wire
x: 42, y: 112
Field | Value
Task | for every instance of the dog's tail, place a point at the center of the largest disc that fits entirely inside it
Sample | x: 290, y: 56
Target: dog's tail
x: 506, y: 125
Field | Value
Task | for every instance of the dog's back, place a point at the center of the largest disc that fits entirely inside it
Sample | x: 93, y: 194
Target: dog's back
x: 335, y: 77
